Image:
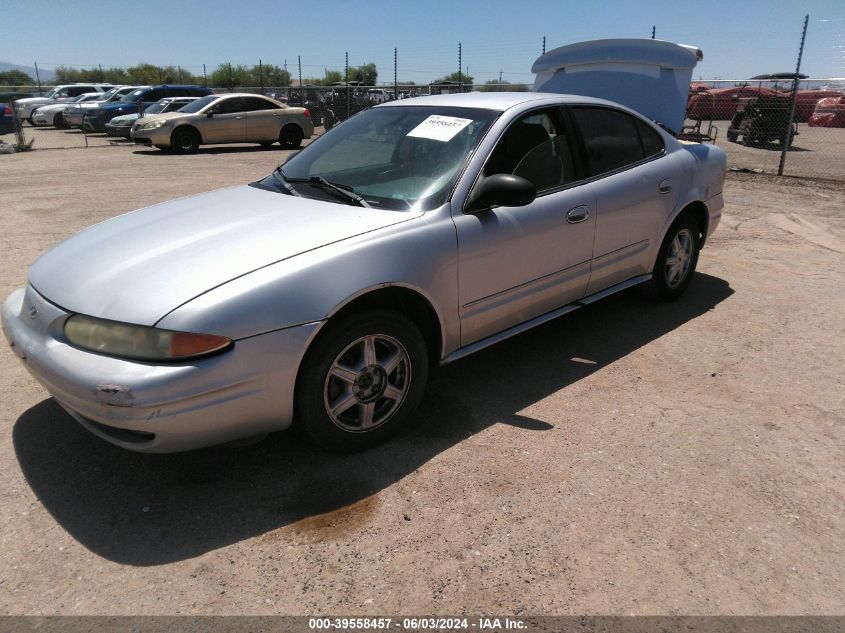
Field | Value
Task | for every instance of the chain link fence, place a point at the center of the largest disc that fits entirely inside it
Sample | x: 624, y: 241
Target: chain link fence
x: 755, y: 121
x: 751, y: 120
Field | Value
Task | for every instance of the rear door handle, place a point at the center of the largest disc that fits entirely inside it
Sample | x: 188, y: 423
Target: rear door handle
x: 578, y: 214
x: 665, y: 186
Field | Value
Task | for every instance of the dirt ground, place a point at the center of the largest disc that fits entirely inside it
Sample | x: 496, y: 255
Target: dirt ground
x: 630, y: 458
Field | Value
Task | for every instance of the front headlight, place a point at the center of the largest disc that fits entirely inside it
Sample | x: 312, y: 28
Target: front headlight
x: 139, y: 342
x: 152, y: 125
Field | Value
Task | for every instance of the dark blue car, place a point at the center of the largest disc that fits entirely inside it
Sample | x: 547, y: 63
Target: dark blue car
x: 7, y: 123
x: 136, y: 101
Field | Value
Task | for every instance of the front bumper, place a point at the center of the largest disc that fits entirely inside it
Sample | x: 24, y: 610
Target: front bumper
x: 158, y: 136
x: 162, y: 408
x: 118, y: 130
x: 42, y: 118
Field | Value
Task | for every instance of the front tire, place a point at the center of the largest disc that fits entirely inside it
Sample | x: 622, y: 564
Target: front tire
x: 676, y: 260
x: 361, y: 380
x: 185, y: 140
x: 59, y: 122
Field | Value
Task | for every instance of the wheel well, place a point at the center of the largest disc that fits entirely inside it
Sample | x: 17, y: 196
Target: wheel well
x: 407, y: 302
x: 294, y: 124
x: 185, y: 126
x: 698, y: 211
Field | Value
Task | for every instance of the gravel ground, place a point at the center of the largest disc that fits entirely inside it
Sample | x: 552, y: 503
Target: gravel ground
x: 630, y: 458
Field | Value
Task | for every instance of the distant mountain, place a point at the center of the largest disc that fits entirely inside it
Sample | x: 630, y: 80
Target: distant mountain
x: 46, y: 75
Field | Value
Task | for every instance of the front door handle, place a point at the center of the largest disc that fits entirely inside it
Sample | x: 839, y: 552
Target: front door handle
x: 578, y: 214
x: 665, y: 186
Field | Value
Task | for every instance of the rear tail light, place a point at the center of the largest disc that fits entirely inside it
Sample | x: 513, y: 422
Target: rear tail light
x: 307, y: 113
x: 8, y: 110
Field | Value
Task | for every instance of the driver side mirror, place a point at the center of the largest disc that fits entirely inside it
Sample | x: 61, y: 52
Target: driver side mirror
x: 504, y: 190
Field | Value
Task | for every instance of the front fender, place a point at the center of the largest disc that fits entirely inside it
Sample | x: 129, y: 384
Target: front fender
x: 420, y: 255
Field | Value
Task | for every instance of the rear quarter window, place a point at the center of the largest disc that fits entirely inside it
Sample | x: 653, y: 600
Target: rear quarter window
x: 652, y: 143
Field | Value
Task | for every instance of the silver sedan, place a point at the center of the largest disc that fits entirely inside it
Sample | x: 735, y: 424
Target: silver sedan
x: 231, y: 118
x: 415, y: 233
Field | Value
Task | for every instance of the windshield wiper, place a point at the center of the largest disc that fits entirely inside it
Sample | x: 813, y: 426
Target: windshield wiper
x: 319, y: 181
x: 277, y: 174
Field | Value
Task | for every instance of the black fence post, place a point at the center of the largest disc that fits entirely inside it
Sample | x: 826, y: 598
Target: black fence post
x: 786, y: 140
x: 301, y: 89
x: 346, y: 81
x: 460, y: 76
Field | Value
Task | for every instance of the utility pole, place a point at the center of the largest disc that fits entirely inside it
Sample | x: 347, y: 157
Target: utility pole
x: 460, y: 77
x: 100, y: 66
x: 544, y: 45
x: 301, y: 89
x: 261, y: 76
x: 346, y: 81
x: 204, y: 76
x: 500, y: 76
x: 231, y: 83
x: 37, y: 77
x: 179, y: 70
x: 653, y: 31
x: 786, y: 140
x: 395, y: 74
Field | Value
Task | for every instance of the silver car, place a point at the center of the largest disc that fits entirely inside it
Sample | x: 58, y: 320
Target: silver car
x: 415, y: 233
x: 231, y: 118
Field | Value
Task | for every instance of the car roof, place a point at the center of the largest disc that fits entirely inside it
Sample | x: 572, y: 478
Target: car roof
x: 492, y: 100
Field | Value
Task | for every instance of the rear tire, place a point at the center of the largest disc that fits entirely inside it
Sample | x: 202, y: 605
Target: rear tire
x: 676, y: 261
x: 291, y: 136
x: 361, y: 380
x: 328, y: 120
x: 185, y: 140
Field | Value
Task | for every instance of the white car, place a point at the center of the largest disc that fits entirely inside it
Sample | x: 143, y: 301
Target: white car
x: 73, y: 115
x: 59, y: 94
x: 53, y: 114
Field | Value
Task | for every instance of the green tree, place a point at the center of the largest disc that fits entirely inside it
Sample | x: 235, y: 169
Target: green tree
x: 456, y: 76
x: 273, y: 75
x: 367, y: 74
x: 15, y: 78
x: 331, y: 77
x: 496, y: 85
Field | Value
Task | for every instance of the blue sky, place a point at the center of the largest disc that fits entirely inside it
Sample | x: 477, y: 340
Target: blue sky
x: 740, y: 38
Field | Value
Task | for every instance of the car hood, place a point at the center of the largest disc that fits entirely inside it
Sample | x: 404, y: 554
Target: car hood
x: 30, y: 100
x: 139, y: 266
x: 162, y: 117
x: 124, y: 118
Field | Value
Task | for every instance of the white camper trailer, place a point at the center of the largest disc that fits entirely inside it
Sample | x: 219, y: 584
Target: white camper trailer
x: 649, y: 76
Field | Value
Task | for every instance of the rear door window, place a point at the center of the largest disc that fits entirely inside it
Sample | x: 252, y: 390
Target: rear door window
x: 611, y: 138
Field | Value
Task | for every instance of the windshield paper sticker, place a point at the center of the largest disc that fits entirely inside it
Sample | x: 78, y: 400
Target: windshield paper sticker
x: 439, y: 128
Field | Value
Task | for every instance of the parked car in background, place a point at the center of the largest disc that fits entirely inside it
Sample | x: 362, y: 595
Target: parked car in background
x: 73, y: 114
x: 378, y: 95
x: 417, y: 232
x: 59, y: 94
x: 137, y: 101
x: 829, y: 112
x: 806, y: 100
x: 10, y: 97
x: 229, y: 118
x: 53, y: 114
x: 122, y: 125
x: 722, y: 103
x: 7, y: 119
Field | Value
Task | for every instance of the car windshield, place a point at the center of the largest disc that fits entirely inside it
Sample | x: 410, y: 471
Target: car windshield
x: 397, y: 158
x: 154, y: 108
x: 80, y: 98
x: 134, y: 95
x: 199, y: 104
x: 106, y: 96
